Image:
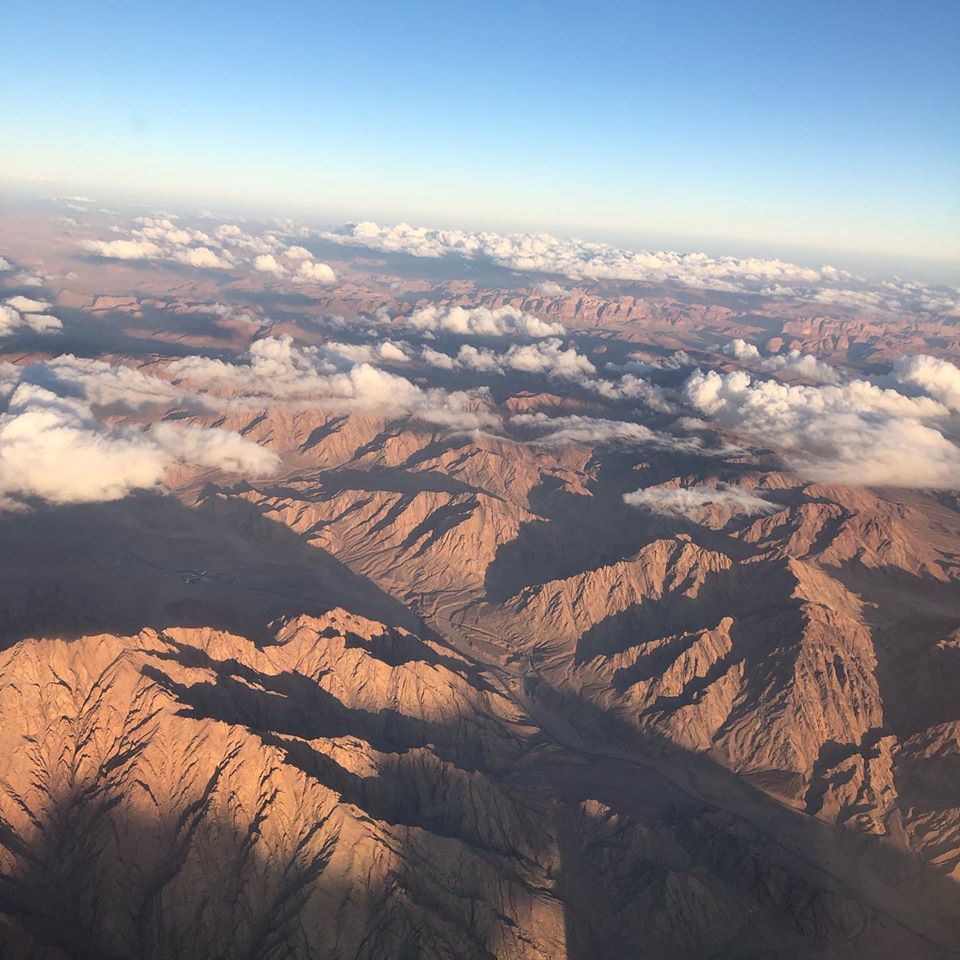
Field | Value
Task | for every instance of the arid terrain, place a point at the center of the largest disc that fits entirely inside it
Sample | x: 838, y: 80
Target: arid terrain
x: 390, y: 593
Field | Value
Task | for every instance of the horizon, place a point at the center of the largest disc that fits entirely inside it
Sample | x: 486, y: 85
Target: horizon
x: 601, y: 130
x: 870, y: 265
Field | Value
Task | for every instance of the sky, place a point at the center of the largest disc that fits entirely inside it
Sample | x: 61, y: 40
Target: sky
x: 826, y: 125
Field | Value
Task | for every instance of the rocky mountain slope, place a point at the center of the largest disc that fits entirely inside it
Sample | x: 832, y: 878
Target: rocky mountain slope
x: 347, y: 790
x: 456, y: 611
x: 734, y: 739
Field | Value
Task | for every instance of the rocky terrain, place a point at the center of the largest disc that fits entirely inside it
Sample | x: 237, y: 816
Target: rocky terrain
x: 417, y: 616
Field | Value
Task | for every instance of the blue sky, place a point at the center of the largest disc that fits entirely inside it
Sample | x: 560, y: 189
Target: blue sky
x: 831, y: 125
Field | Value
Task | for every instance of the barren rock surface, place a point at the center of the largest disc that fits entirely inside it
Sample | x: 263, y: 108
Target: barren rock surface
x: 509, y: 656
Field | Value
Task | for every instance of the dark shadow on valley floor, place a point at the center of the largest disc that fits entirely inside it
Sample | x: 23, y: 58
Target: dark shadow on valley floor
x: 148, y: 560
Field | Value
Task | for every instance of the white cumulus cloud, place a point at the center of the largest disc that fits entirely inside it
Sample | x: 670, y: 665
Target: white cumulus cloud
x: 26, y: 305
x: 853, y: 433
x: 315, y: 272
x: 202, y: 257
x: 557, y: 431
x: 267, y: 263
x: 548, y: 357
x: 53, y: 448
x: 23, y: 315
x: 278, y: 369
x: 691, y: 502
x: 123, y: 249
x: 581, y: 260
x: 740, y: 349
x: 103, y: 384
x: 800, y: 364
x: 483, y: 321
x: 937, y: 378
x: 804, y: 365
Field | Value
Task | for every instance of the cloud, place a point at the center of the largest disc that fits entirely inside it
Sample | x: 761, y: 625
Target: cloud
x: 123, y: 249
x: 547, y: 357
x: 267, y: 263
x: 577, y: 259
x: 364, y: 353
x: 311, y: 272
x: 636, y: 363
x: 24, y: 279
x: 230, y: 235
x: 280, y: 370
x: 581, y: 260
x: 937, y: 378
x: 483, y: 321
x: 557, y: 431
x: 26, y: 305
x: 159, y: 238
x: 166, y: 231
x: 103, y: 384
x: 53, y: 448
x: 229, y: 231
x: 5, y: 264
x: 365, y: 387
x: 392, y: 352
x: 692, y: 502
x: 740, y: 350
x: 853, y: 433
x: 803, y: 365
x: 9, y: 378
x: 41, y: 323
x: 631, y: 387
x: 442, y: 361
x: 213, y: 447
x: 21, y: 314
x: 202, y: 257
x: 227, y: 247
x: 549, y: 288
